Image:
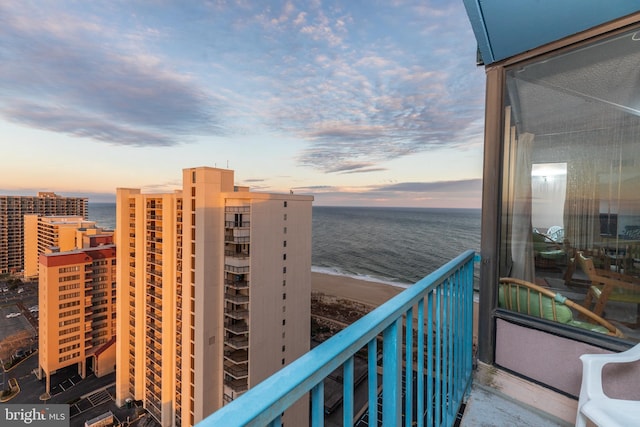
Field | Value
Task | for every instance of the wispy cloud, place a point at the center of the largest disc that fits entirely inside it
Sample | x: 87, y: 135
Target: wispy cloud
x: 467, y: 185
x: 78, y: 76
x: 355, y: 85
x: 459, y: 194
x: 385, y: 88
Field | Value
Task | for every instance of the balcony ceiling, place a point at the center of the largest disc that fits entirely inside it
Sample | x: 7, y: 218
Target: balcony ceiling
x: 504, y: 28
x: 572, y: 92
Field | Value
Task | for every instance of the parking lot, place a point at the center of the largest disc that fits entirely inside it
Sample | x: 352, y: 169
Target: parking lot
x: 18, y: 326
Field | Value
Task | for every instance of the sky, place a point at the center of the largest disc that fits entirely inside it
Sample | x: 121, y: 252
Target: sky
x: 358, y: 103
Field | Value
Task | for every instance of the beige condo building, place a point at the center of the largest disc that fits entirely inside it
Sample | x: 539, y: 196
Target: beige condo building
x: 213, y: 294
x: 60, y: 233
x: 12, y: 210
x: 76, y: 298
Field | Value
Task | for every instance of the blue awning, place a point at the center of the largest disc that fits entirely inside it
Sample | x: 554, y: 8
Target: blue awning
x: 505, y: 28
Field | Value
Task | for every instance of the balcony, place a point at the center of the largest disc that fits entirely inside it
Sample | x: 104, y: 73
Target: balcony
x: 241, y: 284
x: 237, y: 328
x: 234, y: 254
x: 425, y: 370
x: 237, y: 224
x: 236, y: 371
x: 237, y: 357
x: 237, y: 314
x: 237, y: 209
x: 237, y: 298
x: 237, y: 386
x: 237, y: 269
x: 237, y: 236
x: 238, y: 342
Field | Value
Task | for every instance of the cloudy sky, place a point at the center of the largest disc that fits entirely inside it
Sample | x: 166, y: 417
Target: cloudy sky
x: 371, y: 103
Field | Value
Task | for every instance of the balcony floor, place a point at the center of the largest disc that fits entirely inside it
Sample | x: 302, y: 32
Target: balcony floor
x: 487, y: 407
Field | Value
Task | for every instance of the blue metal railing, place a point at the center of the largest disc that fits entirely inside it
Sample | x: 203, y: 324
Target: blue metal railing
x: 431, y: 379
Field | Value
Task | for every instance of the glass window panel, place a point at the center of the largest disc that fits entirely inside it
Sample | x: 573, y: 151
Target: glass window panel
x: 571, y: 179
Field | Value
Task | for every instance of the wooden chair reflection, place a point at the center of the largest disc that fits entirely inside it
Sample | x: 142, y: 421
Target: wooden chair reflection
x: 608, y: 286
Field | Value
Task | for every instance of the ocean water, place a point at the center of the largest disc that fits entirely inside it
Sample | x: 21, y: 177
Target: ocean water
x: 390, y: 245
x: 104, y: 214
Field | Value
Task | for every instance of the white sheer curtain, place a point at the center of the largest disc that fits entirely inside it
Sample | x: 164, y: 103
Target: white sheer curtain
x: 582, y: 207
x: 521, y: 228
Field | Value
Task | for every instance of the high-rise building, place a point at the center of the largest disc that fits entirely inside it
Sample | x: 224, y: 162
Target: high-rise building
x: 77, y: 301
x: 213, y: 294
x: 12, y: 211
x: 44, y: 234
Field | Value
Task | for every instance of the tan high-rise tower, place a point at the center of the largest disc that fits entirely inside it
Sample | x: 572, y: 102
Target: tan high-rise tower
x: 77, y: 299
x: 213, y: 294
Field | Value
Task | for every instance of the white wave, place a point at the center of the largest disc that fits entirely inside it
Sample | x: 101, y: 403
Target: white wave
x: 334, y: 271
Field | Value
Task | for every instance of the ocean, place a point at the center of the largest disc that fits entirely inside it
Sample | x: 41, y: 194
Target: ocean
x: 398, y: 246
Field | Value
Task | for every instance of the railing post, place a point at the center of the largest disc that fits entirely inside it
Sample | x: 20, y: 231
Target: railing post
x: 347, y: 392
x: 420, y: 357
x: 391, y: 375
x: 317, y: 405
x: 430, y: 383
x: 372, y: 361
x: 408, y: 360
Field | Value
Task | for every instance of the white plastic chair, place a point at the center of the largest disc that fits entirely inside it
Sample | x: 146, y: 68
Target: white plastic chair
x: 594, y: 404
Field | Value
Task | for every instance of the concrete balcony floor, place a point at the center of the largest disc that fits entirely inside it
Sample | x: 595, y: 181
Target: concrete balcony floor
x: 509, y: 401
x: 489, y: 408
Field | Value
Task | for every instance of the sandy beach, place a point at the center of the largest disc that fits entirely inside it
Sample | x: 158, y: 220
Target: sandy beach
x: 372, y: 293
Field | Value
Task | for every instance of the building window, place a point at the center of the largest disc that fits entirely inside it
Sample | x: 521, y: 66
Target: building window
x: 285, y: 204
x: 285, y: 217
x: 284, y: 269
x: 284, y: 296
x: 284, y: 257
x: 284, y: 244
x: 570, y: 181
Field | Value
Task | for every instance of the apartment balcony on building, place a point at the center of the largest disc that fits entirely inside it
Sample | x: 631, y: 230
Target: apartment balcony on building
x: 237, y: 298
x: 237, y: 266
x: 236, y: 327
x: 236, y: 281
x: 237, y: 251
x: 237, y: 342
x: 237, y: 312
x: 234, y: 388
x: 237, y: 235
x: 237, y: 372
x: 237, y: 356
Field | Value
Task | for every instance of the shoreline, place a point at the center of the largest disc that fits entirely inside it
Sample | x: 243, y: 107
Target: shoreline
x: 363, y: 291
